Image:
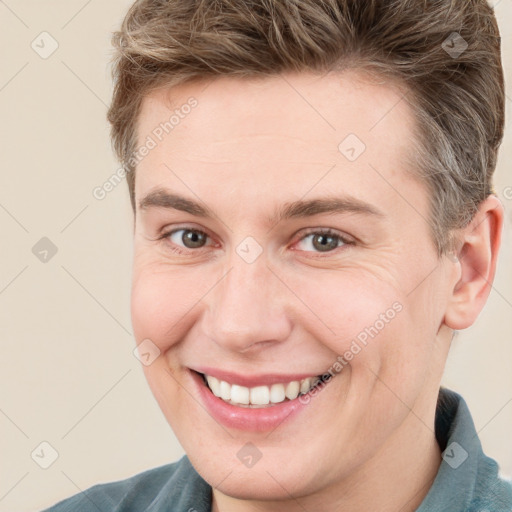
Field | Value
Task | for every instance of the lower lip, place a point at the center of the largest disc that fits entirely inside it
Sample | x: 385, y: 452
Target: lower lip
x: 261, y: 419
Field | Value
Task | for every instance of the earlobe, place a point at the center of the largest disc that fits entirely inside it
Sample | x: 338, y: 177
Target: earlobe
x: 477, y: 258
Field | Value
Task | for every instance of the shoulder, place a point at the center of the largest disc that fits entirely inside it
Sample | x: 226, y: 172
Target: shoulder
x: 156, y: 490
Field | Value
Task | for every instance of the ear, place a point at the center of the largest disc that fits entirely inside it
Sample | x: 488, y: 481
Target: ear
x: 479, y: 243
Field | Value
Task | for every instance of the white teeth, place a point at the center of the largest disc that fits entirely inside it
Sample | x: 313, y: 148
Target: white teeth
x: 239, y: 394
x: 225, y: 390
x: 277, y: 393
x: 305, y: 385
x: 214, y: 384
x: 260, y: 395
x: 292, y: 390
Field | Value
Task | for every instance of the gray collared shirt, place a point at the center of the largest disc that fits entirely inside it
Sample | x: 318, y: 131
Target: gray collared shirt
x: 467, y: 480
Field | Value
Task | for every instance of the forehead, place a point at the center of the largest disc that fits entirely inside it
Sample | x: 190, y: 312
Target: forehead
x: 337, y: 103
x: 276, y: 133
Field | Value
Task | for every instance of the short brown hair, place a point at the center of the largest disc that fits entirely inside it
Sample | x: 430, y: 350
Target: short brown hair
x: 445, y: 52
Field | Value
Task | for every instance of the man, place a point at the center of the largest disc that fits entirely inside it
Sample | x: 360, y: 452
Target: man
x: 313, y: 220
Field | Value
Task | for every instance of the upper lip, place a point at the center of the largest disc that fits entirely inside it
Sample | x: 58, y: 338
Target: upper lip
x: 263, y: 379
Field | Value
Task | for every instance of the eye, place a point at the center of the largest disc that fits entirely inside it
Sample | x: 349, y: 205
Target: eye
x: 187, y: 238
x: 318, y: 240
x: 324, y: 240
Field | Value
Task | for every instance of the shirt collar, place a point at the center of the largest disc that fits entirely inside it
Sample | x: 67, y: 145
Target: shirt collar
x: 467, y: 480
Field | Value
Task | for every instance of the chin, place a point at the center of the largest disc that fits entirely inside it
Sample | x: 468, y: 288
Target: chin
x: 272, y: 478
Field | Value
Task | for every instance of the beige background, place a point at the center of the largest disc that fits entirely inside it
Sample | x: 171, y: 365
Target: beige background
x: 68, y: 374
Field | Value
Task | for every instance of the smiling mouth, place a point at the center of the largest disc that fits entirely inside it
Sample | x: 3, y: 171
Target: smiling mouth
x: 260, y: 396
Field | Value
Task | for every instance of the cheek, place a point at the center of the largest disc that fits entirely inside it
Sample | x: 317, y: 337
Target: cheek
x: 347, y: 305
x: 159, y: 303
x: 371, y: 323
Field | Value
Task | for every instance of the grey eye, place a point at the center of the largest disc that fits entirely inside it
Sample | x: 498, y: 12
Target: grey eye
x: 322, y: 242
x: 189, y: 238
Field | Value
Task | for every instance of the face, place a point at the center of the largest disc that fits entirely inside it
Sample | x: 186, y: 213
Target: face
x: 279, y: 237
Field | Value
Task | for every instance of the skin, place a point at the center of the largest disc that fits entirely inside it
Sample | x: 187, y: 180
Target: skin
x: 366, y: 442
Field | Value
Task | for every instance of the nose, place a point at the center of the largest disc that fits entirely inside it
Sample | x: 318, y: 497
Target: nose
x: 248, y: 308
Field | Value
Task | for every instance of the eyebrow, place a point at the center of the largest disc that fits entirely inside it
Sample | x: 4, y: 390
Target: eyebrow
x: 161, y: 198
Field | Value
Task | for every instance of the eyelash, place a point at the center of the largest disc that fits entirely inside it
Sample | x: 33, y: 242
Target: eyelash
x: 313, y: 231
